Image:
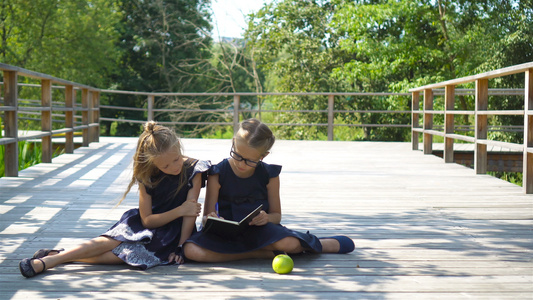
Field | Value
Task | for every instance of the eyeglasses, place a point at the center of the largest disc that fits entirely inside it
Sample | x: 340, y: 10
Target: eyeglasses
x: 237, y: 157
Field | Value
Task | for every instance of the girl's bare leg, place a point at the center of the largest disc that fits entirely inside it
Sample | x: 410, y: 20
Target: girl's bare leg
x: 292, y: 245
x: 289, y: 244
x: 199, y: 254
x: 95, y: 251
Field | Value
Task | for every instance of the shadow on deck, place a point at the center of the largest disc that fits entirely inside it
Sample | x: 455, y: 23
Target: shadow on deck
x: 423, y: 229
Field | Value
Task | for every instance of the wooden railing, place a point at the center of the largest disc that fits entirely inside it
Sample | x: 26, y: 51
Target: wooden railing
x: 480, y: 114
x: 80, y: 107
x: 233, y: 112
x: 13, y: 106
x: 87, y: 117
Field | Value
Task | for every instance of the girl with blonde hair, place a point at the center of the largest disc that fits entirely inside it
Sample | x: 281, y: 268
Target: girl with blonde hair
x: 169, y: 186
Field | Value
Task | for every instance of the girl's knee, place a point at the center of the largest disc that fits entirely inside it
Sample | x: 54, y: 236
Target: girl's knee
x: 195, y: 252
x: 289, y: 245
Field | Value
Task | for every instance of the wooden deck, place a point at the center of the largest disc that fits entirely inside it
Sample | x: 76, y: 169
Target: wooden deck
x: 423, y: 229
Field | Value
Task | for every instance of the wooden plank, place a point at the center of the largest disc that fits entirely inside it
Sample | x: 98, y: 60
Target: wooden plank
x: 40, y: 76
x: 512, y: 146
x: 236, y: 108
x: 423, y: 229
x: 462, y: 137
x: 11, y: 124
x: 415, y: 119
x: 90, y: 116
x: 8, y: 108
x: 501, y: 112
x: 487, y: 75
x: 96, y: 116
x: 527, y: 167
x: 428, y: 121
x: 482, y: 100
x: 70, y: 101
x: 331, y: 116
x: 46, y: 120
x: 85, y: 116
x: 449, y: 103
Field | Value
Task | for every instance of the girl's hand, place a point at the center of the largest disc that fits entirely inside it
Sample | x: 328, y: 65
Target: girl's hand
x: 211, y: 214
x: 214, y: 215
x: 176, y: 258
x: 191, y: 208
x: 260, y: 220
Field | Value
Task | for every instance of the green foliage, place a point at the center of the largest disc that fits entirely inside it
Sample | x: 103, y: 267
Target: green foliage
x: 512, y: 177
x: 292, y: 43
x: 229, y: 69
x: 380, y: 46
x: 160, y: 43
x: 67, y: 39
x: 29, y: 154
x: 224, y: 133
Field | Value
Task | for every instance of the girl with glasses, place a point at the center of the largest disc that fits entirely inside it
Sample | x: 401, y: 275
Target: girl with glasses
x: 238, y: 185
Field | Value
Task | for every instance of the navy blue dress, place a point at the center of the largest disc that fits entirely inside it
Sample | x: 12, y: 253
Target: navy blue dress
x: 145, y: 248
x: 236, y: 199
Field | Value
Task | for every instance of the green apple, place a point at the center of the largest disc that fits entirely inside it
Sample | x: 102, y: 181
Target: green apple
x: 282, y: 264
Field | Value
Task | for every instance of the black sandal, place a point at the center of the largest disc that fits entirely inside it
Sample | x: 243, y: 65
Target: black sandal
x: 27, y: 270
x: 45, y: 252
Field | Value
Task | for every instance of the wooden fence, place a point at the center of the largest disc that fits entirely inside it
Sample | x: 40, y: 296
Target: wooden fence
x: 86, y: 118
x: 89, y: 115
x: 234, y: 111
x: 480, y: 113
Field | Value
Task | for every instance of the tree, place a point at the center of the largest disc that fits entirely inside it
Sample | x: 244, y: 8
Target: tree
x: 515, y: 46
x: 383, y: 45
x: 402, y: 44
x: 297, y: 50
x: 158, y: 39
x: 229, y: 69
x: 66, y: 39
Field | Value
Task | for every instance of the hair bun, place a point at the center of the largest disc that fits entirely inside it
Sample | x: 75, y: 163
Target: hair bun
x: 150, y: 126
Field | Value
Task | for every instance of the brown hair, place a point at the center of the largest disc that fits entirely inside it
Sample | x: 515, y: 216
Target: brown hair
x: 256, y: 135
x: 154, y: 141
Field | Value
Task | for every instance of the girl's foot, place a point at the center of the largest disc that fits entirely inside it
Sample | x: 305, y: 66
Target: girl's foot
x: 27, y: 269
x: 45, y: 252
x: 337, y: 244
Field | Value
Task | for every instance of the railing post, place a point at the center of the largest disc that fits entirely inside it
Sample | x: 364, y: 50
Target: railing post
x: 428, y: 121
x: 449, y: 99
x: 85, y: 116
x: 46, y: 120
x: 415, y: 119
x: 527, y: 175
x: 11, y: 156
x: 90, y: 115
x: 96, y: 116
x: 331, y: 101
x: 150, y: 107
x: 70, y: 99
x: 482, y: 103
x: 236, y: 106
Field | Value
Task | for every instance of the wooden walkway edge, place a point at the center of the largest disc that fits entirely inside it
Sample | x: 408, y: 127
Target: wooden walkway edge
x: 423, y: 229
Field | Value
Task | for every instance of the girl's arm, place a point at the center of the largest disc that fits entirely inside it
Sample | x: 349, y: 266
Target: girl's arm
x: 274, y: 202
x: 192, y: 196
x: 150, y: 220
x: 211, y: 195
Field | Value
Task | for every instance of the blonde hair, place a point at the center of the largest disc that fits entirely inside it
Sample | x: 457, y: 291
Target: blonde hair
x: 256, y: 135
x: 154, y: 141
